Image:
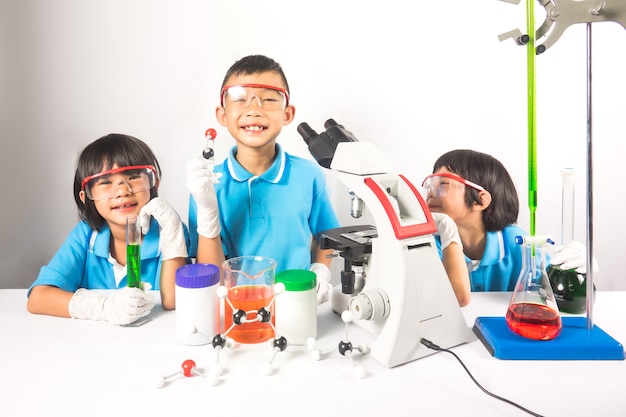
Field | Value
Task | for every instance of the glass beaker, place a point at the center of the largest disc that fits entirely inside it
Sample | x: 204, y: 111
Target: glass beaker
x: 250, y: 284
x: 133, y: 252
x: 569, y: 287
x: 532, y: 311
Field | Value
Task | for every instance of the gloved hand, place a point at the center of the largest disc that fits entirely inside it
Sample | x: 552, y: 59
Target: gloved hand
x: 200, y: 180
x: 572, y: 256
x: 172, y: 237
x: 122, y: 306
x: 447, y: 230
x: 324, y: 288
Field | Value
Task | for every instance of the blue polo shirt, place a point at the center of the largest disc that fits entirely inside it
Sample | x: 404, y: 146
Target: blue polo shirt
x: 276, y: 214
x: 82, y: 261
x: 501, y: 264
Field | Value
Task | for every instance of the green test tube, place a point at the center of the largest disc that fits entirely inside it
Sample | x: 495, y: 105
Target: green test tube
x: 133, y: 252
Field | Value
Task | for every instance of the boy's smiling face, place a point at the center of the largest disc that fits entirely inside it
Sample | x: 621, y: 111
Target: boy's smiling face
x: 255, y: 127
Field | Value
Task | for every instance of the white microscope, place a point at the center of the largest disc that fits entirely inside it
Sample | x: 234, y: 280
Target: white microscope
x: 406, y: 294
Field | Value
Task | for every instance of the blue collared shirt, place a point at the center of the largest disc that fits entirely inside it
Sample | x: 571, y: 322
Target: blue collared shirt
x: 275, y: 214
x: 501, y: 263
x: 82, y: 261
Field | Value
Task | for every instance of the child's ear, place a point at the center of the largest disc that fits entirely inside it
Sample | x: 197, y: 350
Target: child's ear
x: 81, y: 195
x: 485, y: 200
x: 220, y: 115
x: 290, y: 114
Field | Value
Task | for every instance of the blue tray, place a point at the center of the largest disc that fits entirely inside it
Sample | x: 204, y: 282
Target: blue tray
x: 575, y: 342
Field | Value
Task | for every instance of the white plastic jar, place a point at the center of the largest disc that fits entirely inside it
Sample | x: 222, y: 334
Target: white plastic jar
x: 197, y: 307
x: 296, y: 307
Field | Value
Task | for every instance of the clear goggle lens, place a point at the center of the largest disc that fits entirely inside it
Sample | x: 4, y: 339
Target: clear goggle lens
x: 239, y: 97
x: 443, y: 184
x: 118, y: 181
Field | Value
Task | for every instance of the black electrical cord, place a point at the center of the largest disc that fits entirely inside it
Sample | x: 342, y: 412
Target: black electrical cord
x: 433, y: 346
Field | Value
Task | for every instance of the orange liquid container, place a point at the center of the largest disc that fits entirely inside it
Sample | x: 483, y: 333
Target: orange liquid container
x: 249, y: 298
x: 533, y: 312
x: 534, y: 321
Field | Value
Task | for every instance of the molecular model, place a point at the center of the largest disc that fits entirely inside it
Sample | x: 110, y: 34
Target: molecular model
x: 188, y: 370
x: 263, y: 315
x: 210, y: 135
x: 345, y: 347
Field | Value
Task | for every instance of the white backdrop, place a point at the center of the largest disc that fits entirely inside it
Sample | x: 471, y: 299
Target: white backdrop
x: 411, y: 77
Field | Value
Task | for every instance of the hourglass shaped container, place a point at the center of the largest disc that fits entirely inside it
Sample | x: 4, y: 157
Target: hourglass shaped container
x: 533, y: 311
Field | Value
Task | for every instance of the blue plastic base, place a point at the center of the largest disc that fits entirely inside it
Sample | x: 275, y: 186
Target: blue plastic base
x: 575, y: 342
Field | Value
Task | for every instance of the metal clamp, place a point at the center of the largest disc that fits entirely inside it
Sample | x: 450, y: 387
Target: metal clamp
x: 561, y: 14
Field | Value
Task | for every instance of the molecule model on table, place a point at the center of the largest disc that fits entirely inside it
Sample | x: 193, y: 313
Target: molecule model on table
x: 188, y: 370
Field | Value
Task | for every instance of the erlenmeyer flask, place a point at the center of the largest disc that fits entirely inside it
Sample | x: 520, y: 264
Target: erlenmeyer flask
x: 533, y: 312
x: 569, y: 287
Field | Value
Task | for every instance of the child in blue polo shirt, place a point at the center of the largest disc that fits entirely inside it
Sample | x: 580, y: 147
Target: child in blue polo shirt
x: 271, y: 203
x: 116, y: 176
x: 477, y: 192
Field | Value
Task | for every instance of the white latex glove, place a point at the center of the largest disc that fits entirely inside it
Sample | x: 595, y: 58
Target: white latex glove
x: 323, y: 281
x: 122, y: 306
x: 200, y: 180
x: 172, y: 237
x: 572, y: 256
x: 447, y: 230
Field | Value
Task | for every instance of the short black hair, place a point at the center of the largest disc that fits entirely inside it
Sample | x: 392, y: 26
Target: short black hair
x: 255, y: 64
x: 485, y: 170
x: 103, y: 154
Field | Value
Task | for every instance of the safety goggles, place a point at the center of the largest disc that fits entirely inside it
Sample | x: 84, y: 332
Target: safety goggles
x: 105, y: 185
x: 443, y: 183
x: 239, y: 97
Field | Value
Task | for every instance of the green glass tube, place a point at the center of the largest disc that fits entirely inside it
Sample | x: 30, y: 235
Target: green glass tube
x: 133, y: 252
x: 532, y: 113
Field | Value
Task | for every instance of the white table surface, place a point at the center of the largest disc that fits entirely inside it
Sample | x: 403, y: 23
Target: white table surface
x: 62, y: 367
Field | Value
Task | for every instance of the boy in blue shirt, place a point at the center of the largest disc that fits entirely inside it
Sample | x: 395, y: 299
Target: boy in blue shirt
x: 271, y: 203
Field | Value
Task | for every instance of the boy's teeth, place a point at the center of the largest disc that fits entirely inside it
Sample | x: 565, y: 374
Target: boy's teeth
x: 256, y: 128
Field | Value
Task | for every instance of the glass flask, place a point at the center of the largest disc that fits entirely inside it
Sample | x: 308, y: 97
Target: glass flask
x: 533, y: 312
x: 569, y: 287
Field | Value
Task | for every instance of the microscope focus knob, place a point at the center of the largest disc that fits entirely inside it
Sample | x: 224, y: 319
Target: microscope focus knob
x: 372, y: 304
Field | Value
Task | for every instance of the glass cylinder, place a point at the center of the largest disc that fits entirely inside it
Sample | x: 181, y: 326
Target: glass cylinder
x: 249, y: 301
x: 133, y: 252
x: 569, y: 287
x: 533, y: 312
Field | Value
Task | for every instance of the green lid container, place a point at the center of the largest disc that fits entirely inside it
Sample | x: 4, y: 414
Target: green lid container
x: 297, y: 279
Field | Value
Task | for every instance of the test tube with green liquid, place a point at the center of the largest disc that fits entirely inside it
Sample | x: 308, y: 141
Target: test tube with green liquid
x: 133, y: 252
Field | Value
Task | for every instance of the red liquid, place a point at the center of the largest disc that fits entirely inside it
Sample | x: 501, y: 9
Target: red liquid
x: 534, y: 321
x: 249, y: 298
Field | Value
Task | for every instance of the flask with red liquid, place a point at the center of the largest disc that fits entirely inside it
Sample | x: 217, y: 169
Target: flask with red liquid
x: 533, y: 312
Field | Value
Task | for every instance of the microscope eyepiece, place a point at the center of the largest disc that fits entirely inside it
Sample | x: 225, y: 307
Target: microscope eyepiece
x: 322, y: 145
x: 306, y: 132
x: 330, y: 123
